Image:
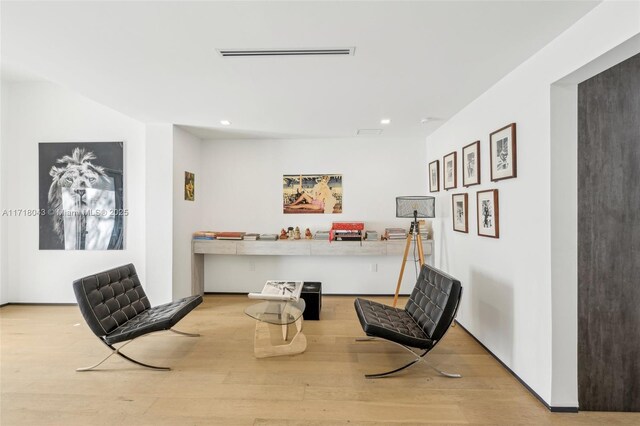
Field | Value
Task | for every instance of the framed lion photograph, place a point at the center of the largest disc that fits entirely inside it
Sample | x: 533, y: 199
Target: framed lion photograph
x: 81, y: 200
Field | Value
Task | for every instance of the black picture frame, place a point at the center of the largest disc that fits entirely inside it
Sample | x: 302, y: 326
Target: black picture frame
x: 488, y: 213
x: 434, y: 176
x: 450, y: 170
x: 460, y: 212
x: 471, y: 164
x: 503, y: 154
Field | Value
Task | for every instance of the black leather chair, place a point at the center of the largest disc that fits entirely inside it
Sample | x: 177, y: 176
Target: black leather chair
x: 116, y: 309
x: 422, y: 323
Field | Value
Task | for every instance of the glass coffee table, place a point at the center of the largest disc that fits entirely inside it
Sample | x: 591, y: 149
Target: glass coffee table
x: 270, y: 313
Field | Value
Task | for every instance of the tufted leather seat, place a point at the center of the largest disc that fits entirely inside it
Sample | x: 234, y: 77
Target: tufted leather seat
x: 117, y: 309
x: 428, y: 314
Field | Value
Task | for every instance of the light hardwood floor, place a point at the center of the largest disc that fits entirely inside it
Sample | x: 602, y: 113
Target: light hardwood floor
x: 216, y: 379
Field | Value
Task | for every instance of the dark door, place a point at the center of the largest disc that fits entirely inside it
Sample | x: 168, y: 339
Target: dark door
x: 609, y: 239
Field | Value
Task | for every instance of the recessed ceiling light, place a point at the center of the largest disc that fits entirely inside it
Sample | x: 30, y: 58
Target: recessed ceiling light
x: 225, y: 122
x: 385, y: 121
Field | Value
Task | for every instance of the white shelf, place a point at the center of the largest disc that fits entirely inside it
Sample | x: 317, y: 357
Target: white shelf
x: 200, y: 248
x: 305, y: 248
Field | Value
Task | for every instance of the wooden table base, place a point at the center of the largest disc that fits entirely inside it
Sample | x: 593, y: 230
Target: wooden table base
x: 264, y: 348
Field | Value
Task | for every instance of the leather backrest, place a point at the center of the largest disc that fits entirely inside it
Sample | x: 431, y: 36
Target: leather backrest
x: 434, y: 301
x: 110, y: 298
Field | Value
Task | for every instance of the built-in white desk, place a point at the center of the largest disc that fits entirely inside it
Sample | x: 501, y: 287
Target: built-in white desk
x: 200, y: 248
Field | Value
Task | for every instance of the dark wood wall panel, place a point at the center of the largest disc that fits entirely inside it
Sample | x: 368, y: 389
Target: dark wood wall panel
x: 609, y: 239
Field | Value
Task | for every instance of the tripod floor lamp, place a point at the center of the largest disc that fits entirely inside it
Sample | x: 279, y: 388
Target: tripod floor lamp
x: 413, y: 207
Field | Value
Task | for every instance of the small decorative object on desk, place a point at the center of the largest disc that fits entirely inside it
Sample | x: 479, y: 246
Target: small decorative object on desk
x: 346, y: 230
x: 296, y: 233
x: 395, y: 233
x: 279, y: 290
x: 283, y: 234
x: 229, y: 235
x: 204, y: 235
x: 322, y: 235
x: 426, y: 229
x: 290, y: 232
x: 269, y: 237
x: 307, y: 234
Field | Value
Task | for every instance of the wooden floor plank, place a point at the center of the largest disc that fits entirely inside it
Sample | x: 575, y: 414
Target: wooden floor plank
x: 215, y: 379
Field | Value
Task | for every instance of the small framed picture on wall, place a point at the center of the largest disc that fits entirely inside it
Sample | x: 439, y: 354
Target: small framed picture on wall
x: 189, y: 186
x: 471, y: 164
x: 502, y: 153
x: 450, y: 173
x: 460, y: 212
x: 434, y: 176
x: 488, y: 213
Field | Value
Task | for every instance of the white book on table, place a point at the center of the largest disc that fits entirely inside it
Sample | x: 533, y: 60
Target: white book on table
x: 279, y: 290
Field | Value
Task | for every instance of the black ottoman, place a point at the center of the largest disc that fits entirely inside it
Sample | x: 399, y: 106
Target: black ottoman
x: 312, y: 295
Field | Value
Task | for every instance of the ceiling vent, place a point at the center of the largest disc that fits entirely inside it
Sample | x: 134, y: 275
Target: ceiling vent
x: 369, y: 132
x: 346, y: 51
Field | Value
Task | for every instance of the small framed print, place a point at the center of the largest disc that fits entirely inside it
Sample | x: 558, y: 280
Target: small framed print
x: 460, y: 212
x: 471, y: 164
x: 488, y: 214
x: 189, y: 186
x: 450, y: 175
x: 502, y: 153
x: 434, y: 176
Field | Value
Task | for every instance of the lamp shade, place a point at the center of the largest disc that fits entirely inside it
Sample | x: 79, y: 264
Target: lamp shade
x: 408, y: 206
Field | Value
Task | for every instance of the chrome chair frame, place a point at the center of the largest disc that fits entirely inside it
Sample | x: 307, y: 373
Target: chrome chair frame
x: 116, y: 351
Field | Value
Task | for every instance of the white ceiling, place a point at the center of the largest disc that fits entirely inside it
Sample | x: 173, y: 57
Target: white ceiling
x: 157, y: 61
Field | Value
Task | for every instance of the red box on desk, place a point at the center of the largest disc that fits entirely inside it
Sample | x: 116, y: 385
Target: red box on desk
x: 345, y: 226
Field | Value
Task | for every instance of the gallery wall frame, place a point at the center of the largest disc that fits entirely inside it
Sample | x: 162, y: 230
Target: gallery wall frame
x: 81, y: 196
x: 502, y: 153
x: 450, y: 170
x: 471, y: 164
x: 434, y: 176
x: 460, y: 212
x: 488, y: 213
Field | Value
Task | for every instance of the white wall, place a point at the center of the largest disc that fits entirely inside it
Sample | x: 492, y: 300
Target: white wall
x: 187, y: 215
x: 4, y: 298
x: 159, y: 215
x: 564, y: 237
x: 243, y: 181
x: 44, y: 112
x: 508, y: 282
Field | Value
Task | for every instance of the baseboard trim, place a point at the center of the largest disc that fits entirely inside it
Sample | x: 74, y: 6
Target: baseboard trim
x: 522, y: 382
x: 232, y: 293
x: 562, y: 409
x: 37, y: 304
